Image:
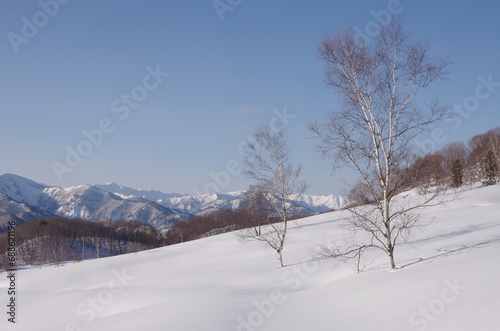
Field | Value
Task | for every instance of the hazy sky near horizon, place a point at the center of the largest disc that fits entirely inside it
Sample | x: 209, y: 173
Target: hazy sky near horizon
x: 162, y: 94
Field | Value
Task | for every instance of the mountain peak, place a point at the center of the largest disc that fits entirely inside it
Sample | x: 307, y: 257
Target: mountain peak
x: 17, y: 178
x: 21, y: 189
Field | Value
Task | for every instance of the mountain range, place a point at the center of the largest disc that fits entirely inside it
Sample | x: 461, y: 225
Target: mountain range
x: 22, y: 199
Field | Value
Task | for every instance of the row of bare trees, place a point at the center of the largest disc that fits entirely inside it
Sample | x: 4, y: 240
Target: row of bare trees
x: 57, y: 239
x: 209, y: 224
x: 454, y: 165
x: 459, y: 163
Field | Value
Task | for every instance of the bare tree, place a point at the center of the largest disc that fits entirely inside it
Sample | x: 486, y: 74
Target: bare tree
x: 269, y: 162
x: 428, y: 172
x: 378, y: 120
x: 454, y: 151
x: 483, y: 143
x: 258, y: 208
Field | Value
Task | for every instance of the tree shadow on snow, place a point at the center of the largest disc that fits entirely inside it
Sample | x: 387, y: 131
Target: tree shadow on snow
x: 448, y: 251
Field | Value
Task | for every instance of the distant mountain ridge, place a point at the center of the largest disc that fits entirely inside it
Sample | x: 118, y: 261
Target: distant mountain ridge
x: 22, y: 199
x: 204, y: 203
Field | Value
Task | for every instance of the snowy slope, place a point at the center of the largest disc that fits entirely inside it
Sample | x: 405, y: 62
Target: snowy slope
x: 21, y: 189
x: 447, y: 280
x: 11, y: 210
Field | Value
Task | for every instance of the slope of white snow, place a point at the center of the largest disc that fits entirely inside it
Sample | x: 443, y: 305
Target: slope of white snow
x: 21, y: 189
x: 11, y: 210
x: 447, y: 279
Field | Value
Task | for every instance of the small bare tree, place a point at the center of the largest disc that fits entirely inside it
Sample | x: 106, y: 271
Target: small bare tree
x: 377, y: 123
x: 269, y: 162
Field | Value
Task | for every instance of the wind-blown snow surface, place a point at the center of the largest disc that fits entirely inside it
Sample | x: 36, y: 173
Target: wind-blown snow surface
x: 448, y: 278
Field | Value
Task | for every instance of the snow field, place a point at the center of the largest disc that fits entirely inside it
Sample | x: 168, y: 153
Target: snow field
x: 447, y: 279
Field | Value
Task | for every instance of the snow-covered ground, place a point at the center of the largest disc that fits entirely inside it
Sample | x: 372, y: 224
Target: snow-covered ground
x: 448, y: 278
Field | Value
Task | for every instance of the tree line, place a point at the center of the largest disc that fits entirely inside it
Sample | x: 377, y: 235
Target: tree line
x: 453, y: 166
x: 460, y: 163
x: 58, y: 239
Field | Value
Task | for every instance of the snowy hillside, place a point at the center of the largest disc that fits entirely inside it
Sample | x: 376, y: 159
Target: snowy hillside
x: 11, y: 210
x: 21, y: 189
x: 447, y: 279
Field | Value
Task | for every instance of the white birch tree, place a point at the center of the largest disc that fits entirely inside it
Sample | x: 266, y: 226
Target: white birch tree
x: 268, y: 161
x: 374, y: 129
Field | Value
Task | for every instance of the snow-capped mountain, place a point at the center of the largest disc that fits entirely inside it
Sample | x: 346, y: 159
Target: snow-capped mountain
x: 89, y: 202
x: 191, y: 204
x: 127, y: 192
x: 19, y: 212
x: 204, y: 203
x: 23, y: 199
x: 320, y: 203
x: 21, y: 189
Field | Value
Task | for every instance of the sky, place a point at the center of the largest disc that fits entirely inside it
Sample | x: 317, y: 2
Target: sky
x: 162, y: 94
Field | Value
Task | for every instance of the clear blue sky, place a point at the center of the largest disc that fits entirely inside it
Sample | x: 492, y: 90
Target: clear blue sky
x: 225, y: 78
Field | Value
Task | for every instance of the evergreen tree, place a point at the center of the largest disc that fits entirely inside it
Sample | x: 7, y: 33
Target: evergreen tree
x: 491, y: 168
x: 457, y: 174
